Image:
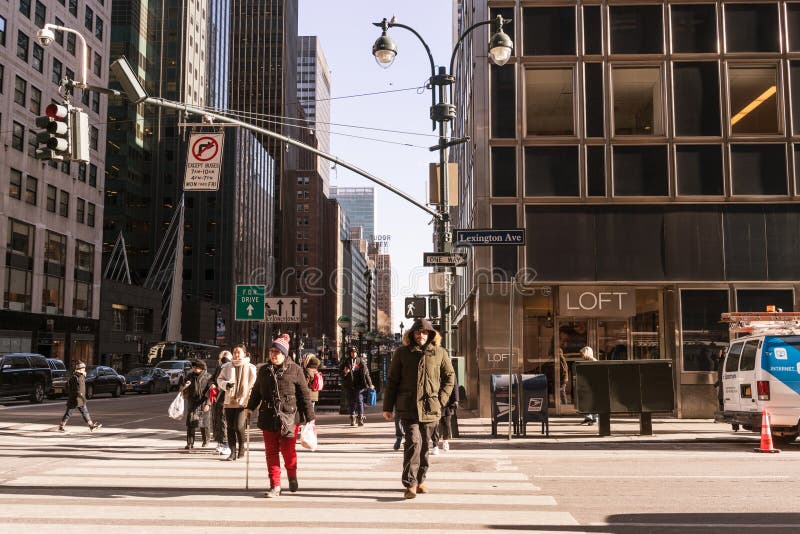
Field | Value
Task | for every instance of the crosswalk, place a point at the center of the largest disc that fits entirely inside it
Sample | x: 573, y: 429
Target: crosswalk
x: 143, y: 481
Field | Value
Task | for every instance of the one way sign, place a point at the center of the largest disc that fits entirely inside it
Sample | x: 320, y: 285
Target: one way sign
x: 282, y: 310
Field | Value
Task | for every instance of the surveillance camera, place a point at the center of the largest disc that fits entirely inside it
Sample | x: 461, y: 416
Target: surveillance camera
x: 45, y: 36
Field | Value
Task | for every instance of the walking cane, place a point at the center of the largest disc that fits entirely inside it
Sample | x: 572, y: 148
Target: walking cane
x: 247, y: 453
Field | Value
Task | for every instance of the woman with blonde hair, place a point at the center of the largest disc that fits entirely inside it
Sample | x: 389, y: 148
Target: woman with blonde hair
x: 237, y: 380
x: 587, y: 354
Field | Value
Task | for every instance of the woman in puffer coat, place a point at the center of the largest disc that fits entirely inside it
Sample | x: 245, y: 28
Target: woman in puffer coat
x: 281, y: 395
x: 237, y: 380
x: 195, y: 392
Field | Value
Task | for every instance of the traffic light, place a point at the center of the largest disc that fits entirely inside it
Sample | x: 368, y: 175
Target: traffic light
x: 433, y: 305
x: 79, y: 135
x: 56, y: 134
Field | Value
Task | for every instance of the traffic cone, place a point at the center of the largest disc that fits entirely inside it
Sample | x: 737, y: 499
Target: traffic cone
x: 766, y: 435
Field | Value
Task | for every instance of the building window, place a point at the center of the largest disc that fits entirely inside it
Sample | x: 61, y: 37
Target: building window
x: 63, y: 205
x: 15, y: 184
x: 2, y: 31
x: 19, y: 266
x: 73, y: 7
x: 58, y: 71
x: 18, y: 136
x: 699, y: 170
x: 89, y: 19
x: 96, y: 101
x: 80, y: 209
x: 753, y: 99
x: 2, y: 77
x: 59, y: 33
x: 592, y: 30
x: 638, y: 101
x: 793, y: 23
x: 55, y: 264
x: 98, y: 64
x: 20, y: 91
x: 119, y: 318
x: 142, y: 320
x: 36, y: 101
x: 549, y: 31
x: 504, y: 171
x: 551, y: 171
x: 94, y: 135
x: 25, y: 7
x: 593, y: 74
x: 22, y: 46
x: 794, y: 74
x: 38, y: 58
x: 694, y: 28
x: 51, y: 198
x: 82, y: 172
x: 752, y: 27
x: 549, y: 101
x: 31, y: 190
x: 71, y: 43
x: 92, y: 175
x: 758, y: 169
x: 697, y: 109
x: 90, y: 215
x: 98, y: 28
x: 640, y: 171
x: 504, y: 117
x: 702, y: 334
x: 33, y: 144
x: 636, y: 30
x: 84, y: 278
x: 40, y: 14
x: 596, y: 171
x: 757, y: 300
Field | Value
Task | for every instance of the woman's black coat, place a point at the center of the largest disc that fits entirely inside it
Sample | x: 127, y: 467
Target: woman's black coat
x: 293, y: 396
x: 76, y: 391
x: 196, y: 395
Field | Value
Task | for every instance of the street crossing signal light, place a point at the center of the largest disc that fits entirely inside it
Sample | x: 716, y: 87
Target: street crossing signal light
x: 55, y: 137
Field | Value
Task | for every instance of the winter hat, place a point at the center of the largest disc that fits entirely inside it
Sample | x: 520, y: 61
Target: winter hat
x: 422, y: 324
x: 80, y: 366
x: 199, y: 363
x: 313, y: 362
x: 225, y: 356
x: 282, y: 344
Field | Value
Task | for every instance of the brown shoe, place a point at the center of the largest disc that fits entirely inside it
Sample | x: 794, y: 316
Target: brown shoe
x: 421, y: 488
x: 411, y: 492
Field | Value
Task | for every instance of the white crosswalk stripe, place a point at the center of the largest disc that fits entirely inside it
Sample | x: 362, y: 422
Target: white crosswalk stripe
x: 142, y: 481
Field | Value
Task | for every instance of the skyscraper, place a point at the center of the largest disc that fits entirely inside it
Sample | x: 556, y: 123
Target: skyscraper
x: 313, y: 94
x: 359, y: 203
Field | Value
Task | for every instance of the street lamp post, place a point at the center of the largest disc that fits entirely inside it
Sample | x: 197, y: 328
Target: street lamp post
x: 360, y: 328
x: 344, y: 323
x: 442, y: 112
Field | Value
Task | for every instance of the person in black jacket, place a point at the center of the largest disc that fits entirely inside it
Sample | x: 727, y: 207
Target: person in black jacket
x: 355, y: 381
x: 281, y: 395
x: 195, y: 391
x: 445, y: 427
x: 76, y: 398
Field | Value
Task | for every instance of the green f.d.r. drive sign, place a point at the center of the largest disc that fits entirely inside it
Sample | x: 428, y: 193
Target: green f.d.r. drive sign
x: 250, y: 303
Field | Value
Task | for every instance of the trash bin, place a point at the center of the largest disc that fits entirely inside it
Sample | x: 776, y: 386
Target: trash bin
x: 500, y: 404
x: 534, y: 405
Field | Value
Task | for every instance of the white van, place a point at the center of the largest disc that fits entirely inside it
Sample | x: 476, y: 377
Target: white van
x: 762, y: 372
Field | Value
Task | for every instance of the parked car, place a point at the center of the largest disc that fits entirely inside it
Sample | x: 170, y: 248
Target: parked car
x: 58, y: 373
x: 102, y: 379
x: 147, y: 380
x: 177, y: 370
x: 25, y: 375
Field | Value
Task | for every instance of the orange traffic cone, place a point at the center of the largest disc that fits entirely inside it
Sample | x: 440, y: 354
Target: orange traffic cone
x: 766, y: 435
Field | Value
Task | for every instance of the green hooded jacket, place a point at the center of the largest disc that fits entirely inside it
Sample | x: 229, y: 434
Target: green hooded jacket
x: 420, y: 382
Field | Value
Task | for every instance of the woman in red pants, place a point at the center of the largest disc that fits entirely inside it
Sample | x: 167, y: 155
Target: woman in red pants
x: 280, y: 394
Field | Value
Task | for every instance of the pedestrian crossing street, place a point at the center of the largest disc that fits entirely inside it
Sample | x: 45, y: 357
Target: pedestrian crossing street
x: 143, y: 481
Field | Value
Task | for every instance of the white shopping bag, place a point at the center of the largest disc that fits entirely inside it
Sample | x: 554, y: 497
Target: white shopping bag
x: 308, y: 436
x: 176, y: 408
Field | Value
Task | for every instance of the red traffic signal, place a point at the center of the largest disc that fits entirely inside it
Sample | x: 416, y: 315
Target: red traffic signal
x: 54, y: 111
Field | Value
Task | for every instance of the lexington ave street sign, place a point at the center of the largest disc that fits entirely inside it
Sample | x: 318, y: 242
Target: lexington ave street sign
x: 282, y: 309
x: 250, y: 303
x: 434, y: 259
x: 488, y: 237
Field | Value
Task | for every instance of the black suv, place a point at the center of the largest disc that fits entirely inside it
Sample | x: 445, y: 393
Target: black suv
x: 58, y: 372
x: 25, y: 375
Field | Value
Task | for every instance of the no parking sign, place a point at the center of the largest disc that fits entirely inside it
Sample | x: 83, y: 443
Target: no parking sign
x: 203, y: 162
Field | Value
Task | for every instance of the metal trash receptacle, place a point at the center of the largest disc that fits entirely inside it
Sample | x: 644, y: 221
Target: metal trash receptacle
x: 534, y: 405
x: 501, y: 408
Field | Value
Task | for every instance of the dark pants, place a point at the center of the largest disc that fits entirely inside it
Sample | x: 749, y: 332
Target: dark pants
x: 357, y: 402
x: 398, y: 430
x: 190, y: 434
x: 218, y: 421
x: 443, y: 430
x: 236, y: 419
x: 415, y: 451
x: 68, y: 414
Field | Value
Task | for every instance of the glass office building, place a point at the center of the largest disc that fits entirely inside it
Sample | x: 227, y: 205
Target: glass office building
x: 648, y: 149
x: 359, y: 203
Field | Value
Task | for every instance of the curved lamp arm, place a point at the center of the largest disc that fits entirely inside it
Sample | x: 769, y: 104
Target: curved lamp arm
x: 461, y: 39
x: 386, y: 25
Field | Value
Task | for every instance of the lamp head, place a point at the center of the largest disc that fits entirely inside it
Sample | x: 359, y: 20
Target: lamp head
x: 500, y: 44
x: 45, y: 36
x: 384, y: 48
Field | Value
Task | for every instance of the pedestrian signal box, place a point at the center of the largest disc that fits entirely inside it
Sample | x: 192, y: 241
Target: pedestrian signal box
x: 415, y: 307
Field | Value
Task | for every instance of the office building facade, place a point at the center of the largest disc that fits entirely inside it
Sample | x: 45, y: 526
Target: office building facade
x: 51, y: 212
x: 313, y: 95
x: 650, y: 151
x: 359, y: 203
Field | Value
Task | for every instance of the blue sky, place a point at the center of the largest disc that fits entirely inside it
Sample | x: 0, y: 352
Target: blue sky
x: 346, y: 33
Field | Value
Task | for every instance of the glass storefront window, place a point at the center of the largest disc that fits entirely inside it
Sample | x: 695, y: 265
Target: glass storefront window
x: 638, y: 101
x: 645, y: 331
x: 754, y: 99
x: 703, y: 337
x: 549, y: 101
x: 757, y: 300
x: 538, y: 335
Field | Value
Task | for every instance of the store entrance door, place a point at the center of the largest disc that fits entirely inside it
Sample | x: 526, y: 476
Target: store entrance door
x: 609, y: 339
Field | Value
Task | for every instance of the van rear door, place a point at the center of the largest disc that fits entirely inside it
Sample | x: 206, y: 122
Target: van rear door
x: 748, y: 395
x: 730, y: 378
x: 780, y: 364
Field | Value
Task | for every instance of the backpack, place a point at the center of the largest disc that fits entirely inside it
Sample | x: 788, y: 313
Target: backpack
x: 316, y: 382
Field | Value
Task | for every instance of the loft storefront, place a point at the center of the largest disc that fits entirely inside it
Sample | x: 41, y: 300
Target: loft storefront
x: 679, y: 322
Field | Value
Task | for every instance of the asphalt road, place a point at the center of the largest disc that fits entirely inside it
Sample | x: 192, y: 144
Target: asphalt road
x: 672, y: 485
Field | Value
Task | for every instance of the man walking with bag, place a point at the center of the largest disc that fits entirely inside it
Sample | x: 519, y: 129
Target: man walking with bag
x: 356, y: 380
x: 420, y: 381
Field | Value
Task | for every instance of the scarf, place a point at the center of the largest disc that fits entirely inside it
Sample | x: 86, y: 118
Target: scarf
x: 243, y: 379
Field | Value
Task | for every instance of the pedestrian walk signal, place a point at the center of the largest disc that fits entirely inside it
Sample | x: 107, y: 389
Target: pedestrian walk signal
x: 416, y: 307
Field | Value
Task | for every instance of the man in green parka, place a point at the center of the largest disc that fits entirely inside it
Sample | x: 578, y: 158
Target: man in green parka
x: 420, y: 381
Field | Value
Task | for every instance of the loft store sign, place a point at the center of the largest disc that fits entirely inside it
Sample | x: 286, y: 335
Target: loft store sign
x: 593, y: 301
